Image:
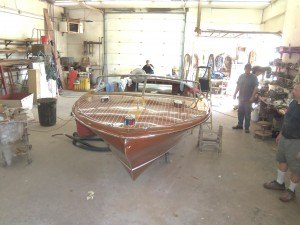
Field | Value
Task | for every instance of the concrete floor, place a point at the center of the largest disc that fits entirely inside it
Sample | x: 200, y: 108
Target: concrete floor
x: 195, y: 188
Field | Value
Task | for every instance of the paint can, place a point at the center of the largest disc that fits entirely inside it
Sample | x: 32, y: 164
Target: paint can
x: 178, y: 103
x: 129, y: 120
x: 104, y: 99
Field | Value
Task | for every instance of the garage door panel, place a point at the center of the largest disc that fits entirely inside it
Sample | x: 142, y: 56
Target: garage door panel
x: 133, y: 38
x: 168, y: 48
x: 126, y: 59
x: 142, y: 25
x: 156, y: 59
x: 124, y: 48
x: 142, y: 37
x: 137, y: 36
x: 163, y: 64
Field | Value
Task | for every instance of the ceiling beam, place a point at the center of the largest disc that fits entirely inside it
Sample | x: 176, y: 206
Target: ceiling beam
x: 84, y: 5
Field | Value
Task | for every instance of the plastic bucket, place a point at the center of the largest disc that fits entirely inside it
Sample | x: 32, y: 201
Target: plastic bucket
x: 44, y: 40
x: 47, y: 111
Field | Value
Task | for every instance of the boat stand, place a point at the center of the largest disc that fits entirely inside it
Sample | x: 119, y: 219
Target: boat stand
x: 210, y: 138
x: 81, y: 142
x: 167, y: 157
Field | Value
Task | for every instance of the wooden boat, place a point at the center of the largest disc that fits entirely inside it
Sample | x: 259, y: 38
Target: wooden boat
x: 160, y: 121
x: 178, y: 86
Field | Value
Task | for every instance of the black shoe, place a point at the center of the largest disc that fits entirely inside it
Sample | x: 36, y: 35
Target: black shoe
x: 288, y: 196
x: 247, y: 131
x: 237, y: 127
x: 274, y: 185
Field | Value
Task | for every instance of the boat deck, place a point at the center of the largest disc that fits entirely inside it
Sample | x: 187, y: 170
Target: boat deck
x: 149, y: 111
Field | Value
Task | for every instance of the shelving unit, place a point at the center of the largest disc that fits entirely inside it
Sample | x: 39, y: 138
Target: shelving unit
x: 89, y: 46
x: 286, y: 72
x: 219, y: 86
x: 288, y: 50
x: 281, y: 87
x: 22, y: 46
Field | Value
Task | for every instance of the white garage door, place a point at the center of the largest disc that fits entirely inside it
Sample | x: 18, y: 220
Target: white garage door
x: 133, y: 38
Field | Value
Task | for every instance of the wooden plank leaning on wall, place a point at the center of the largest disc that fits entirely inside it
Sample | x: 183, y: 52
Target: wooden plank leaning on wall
x: 50, y: 33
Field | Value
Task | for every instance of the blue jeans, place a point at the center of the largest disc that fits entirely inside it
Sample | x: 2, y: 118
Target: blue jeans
x: 244, y: 112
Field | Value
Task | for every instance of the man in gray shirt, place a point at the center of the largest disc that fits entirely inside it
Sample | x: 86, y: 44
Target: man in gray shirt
x: 288, y: 154
x: 247, y: 88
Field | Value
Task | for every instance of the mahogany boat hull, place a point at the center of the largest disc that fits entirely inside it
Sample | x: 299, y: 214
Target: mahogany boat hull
x: 136, y: 147
x: 136, y: 154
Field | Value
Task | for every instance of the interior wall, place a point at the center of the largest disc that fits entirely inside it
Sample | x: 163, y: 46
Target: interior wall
x: 92, y: 31
x: 274, y: 15
x: 221, y: 19
x: 18, y: 18
x: 211, y: 19
x: 233, y: 20
x: 291, y: 29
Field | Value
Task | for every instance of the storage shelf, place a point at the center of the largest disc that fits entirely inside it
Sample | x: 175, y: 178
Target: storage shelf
x: 6, y: 51
x: 288, y: 50
x: 8, y: 41
x: 274, y: 86
x: 26, y: 43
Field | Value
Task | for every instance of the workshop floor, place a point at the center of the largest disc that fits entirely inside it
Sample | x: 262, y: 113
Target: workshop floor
x: 195, y: 188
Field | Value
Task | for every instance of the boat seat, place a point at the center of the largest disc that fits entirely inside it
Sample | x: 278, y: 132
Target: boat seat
x: 209, y: 138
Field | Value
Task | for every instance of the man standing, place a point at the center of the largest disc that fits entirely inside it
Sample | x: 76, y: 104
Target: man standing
x: 288, y: 154
x: 247, y: 88
x: 148, y: 68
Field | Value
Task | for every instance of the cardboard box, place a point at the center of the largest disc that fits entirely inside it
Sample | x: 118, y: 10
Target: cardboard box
x: 17, y: 100
x: 34, y: 83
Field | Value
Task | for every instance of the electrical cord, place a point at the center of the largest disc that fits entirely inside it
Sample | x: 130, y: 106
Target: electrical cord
x: 224, y: 113
x: 74, y: 96
x: 47, y: 131
x: 35, y: 121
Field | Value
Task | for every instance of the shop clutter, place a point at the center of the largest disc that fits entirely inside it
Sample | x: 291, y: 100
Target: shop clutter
x: 13, y: 134
x: 275, y: 92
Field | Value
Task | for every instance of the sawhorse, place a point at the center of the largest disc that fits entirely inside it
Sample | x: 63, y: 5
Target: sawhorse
x: 211, y: 138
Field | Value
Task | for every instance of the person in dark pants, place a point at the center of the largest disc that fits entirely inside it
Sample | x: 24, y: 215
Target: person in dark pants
x: 148, y: 68
x: 247, y: 88
x: 288, y: 154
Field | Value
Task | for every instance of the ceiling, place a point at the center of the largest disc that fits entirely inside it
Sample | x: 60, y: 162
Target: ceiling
x: 163, y: 4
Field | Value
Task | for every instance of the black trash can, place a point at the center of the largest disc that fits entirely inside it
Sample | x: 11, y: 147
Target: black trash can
x: 47, y: 111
